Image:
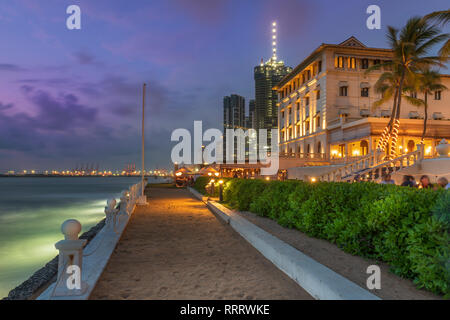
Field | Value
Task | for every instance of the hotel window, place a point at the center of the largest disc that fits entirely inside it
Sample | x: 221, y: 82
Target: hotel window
x: 318, y: 122
x: 364, y: 63
x: 437, y: 95
x: 307, y: 126
x: 307, y: 101
x: 413, y: 94
x: 343, y: 91
x: 351, y: 62
x: 364, y: 92
x: 320, y: 66
x: 317, y: 94
x: 376, y: 61
x: 308, y: 74
x: 339, y: 62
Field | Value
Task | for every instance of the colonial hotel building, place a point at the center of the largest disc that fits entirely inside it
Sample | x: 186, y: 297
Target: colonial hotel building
x: 325, y: 112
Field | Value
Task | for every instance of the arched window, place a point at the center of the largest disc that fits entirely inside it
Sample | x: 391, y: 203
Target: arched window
x: 364, y: 146
x: 411, y: 146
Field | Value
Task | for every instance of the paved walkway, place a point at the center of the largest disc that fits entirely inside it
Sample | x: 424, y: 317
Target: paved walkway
x: 175, y: 248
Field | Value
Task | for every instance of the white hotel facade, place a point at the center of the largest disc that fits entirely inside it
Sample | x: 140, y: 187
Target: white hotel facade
x: 325, y: 112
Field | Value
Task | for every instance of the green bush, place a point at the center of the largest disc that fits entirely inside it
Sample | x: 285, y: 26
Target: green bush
x: 201, y: 182
x: 405, y: 227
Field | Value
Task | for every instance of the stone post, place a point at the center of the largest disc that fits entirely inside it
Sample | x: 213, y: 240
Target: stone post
x: 111, y: 213
x: 69, y: 280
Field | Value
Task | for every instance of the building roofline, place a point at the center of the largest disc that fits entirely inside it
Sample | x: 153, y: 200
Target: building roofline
x: 319, y: 49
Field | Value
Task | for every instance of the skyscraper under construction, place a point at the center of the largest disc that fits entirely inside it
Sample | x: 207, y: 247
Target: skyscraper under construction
x: 266, y: 76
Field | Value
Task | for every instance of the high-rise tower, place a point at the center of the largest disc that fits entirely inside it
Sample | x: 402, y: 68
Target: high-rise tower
x: 266, y: 76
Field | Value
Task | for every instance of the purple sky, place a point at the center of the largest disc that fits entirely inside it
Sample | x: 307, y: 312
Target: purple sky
x: 74, y: 96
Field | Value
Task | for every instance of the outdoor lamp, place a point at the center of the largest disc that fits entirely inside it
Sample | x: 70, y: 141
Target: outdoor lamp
x: 220, y: 190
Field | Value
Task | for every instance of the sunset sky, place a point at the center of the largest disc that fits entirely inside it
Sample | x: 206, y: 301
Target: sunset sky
x: 74, y: 96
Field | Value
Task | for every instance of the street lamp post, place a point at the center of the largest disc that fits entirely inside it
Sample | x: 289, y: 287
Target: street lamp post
x: 220, y: 190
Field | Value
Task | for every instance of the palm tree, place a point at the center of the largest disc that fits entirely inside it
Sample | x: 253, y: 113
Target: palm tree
x: 410, y: 47
x: 441, y: 17
x: 425, y: 82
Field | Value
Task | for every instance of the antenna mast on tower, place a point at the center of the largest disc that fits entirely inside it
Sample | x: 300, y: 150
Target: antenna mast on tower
x: 274, y: 41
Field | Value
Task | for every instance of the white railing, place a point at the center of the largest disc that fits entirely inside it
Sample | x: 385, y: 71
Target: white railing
x: 392, y: 166
x: 359, y: 165
x: 372, y: 168
x: 71, y: 254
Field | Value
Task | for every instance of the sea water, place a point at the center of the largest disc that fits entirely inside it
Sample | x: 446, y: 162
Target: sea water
x: 32, y: 210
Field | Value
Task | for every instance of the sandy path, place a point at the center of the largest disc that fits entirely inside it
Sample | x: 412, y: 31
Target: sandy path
x: 175, y: 248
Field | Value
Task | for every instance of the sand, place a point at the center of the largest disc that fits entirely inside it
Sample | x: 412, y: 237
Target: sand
x: 175, y: 248
x: 351, y: 267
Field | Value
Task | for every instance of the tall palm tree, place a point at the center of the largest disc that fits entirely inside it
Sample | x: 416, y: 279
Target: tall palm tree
x: 441, y: 17
x: 410, y: 47
x: 426, y: 82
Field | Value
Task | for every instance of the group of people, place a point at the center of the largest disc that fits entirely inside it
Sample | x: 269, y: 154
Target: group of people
x: 424, y: 182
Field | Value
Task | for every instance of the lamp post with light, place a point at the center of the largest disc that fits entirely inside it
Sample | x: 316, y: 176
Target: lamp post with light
x: 220, y: 190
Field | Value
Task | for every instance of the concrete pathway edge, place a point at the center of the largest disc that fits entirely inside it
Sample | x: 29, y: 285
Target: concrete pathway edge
x: 197, y: 194
x: 319, y: 281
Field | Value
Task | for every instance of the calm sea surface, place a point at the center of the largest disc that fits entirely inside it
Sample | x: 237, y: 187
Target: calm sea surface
x: 31, y: 213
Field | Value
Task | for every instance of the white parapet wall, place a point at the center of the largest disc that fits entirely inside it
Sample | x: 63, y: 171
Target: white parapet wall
x: 318, y: 280
x: 306, y: 173
x: 434, y: 168
x: 98, y: 252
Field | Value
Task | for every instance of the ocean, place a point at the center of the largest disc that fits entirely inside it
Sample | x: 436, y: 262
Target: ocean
x: 32, y: 210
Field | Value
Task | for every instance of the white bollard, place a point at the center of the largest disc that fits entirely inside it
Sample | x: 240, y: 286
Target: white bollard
x: 111, y: 213
x: 69, y: 281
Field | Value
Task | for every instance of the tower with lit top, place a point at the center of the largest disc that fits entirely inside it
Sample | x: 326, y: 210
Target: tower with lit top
x: 267, y: 75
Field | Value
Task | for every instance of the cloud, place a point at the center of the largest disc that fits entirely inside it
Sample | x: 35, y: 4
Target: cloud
x: 85, y: 58
x: 10, y: 67
x: 5, y: 106
x: 58, y: 113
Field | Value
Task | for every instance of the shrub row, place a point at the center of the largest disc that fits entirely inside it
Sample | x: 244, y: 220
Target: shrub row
x: 407, y: 228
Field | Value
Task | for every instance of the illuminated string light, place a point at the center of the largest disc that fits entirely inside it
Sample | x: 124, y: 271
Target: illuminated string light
x: 274, y: 43
x: 394, y: 138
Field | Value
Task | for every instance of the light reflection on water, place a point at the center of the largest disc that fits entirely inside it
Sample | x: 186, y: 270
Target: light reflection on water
x: 31, y: 213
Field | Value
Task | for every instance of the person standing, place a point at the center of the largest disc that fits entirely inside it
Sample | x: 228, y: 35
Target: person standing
x: 425, y: 182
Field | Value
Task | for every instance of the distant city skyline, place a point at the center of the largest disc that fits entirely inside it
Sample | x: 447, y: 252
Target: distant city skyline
x: 73, y: 96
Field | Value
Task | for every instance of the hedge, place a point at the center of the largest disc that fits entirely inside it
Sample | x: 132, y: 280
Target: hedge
x: 405, y: 227
x: 201, y: 182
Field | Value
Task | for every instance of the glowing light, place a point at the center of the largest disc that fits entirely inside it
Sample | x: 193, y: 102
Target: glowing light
x: 313, y: 179
x: 274, y: 24
x: 220, y: 181
x: 178, y: 174
x: 216, y: 174
x: 428, y: 151
x: 267, y: 178
x: 209, y: 174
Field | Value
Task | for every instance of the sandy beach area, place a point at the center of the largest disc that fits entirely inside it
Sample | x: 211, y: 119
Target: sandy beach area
x: 175, y: 248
